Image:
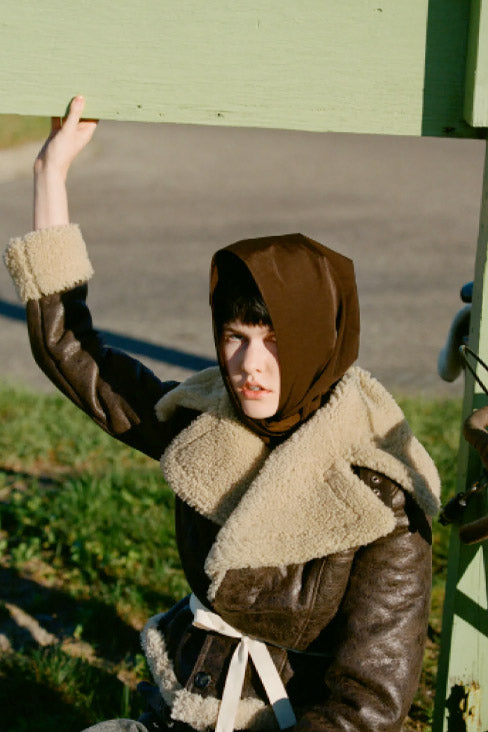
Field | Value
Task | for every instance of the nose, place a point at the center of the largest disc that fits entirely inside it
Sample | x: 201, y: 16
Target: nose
x: 253, y: 357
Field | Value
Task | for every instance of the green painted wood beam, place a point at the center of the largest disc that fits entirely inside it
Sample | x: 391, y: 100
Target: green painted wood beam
x: 374, y: 66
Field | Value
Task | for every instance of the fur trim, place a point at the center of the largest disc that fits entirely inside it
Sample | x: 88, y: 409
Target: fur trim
x: 193, y: 709
x: 48, y: 261
x: 302, y: 500
x: 201, y: 713
x: 158, y: 659
x: 203, y: 391
x: 215, y: 484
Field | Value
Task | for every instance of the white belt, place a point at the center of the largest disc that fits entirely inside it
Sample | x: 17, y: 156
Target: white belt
x: 273, y: 685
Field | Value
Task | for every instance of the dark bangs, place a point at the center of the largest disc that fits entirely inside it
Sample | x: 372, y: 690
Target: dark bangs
x: 236, y: 296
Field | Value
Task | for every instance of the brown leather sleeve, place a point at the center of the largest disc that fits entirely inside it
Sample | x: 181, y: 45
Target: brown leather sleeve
x: 380, y: 630
x: 115, y: 390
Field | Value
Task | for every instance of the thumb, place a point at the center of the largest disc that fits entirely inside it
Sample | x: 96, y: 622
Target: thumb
x: 76, y: 108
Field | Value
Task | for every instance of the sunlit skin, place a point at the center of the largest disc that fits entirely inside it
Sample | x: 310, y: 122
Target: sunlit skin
x: 251, y: 358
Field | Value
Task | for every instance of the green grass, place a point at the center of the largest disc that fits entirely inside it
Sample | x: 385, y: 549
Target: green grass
x: 87, y: 548
x: 16, y: 129
x: 437, y: 424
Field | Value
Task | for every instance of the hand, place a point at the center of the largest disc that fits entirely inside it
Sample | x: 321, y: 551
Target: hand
x: 67, y: 139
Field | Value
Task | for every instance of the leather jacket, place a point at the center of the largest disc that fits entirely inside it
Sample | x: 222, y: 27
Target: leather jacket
x: 346, y: 631
x: 321, y: 548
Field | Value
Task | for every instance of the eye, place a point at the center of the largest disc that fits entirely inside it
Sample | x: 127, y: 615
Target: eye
x: 231, y: 337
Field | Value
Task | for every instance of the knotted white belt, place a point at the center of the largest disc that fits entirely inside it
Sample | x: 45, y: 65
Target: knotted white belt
x: 273, y: 685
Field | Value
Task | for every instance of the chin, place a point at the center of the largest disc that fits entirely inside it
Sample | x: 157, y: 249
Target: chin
x: 258, y: 411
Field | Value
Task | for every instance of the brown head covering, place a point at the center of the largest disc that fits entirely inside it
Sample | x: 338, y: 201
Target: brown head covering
x: 310, y: 292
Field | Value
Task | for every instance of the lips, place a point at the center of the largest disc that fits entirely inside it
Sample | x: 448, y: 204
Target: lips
x: 253, y: 391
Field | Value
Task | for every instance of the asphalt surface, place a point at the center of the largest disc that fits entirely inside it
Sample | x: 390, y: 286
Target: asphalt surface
x: 155, y: 201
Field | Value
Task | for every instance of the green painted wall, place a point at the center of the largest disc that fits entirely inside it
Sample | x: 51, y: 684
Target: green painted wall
x: 377, y: 66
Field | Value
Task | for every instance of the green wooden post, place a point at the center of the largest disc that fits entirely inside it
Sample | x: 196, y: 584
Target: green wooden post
x: 476, y: 95
x: 462, y: 681
x: 462, y: 690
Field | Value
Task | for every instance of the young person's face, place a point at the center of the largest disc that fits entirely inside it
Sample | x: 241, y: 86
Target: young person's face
x: 251, y: 358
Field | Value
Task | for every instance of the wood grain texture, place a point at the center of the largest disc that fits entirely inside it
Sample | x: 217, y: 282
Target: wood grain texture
x: 318, y: 65
x: 476, y: 102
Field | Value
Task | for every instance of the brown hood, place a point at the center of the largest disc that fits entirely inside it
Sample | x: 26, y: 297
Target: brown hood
x: 310, y: 292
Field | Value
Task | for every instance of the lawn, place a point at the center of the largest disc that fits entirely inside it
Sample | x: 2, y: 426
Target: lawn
x: 87, y: 553
x: 16, y: 129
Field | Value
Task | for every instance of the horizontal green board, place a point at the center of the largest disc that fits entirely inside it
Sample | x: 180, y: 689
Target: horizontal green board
x: 375, y: 66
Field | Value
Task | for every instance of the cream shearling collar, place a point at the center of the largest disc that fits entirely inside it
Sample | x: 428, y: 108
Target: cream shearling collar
x: 302, y: 500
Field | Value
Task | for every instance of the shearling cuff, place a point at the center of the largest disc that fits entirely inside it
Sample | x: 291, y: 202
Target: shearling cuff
x: 47, y: 261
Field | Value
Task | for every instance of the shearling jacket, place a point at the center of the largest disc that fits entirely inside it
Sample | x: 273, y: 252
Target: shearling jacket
x: 321, y: 547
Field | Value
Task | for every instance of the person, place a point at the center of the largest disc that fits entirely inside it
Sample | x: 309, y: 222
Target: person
x: 302, y: 497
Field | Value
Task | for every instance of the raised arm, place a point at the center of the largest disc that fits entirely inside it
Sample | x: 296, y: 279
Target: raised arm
x: 51, y: 167
x: 50, y: 268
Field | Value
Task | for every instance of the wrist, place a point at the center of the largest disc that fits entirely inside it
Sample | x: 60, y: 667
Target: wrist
x: 44, y: 170
x: 50, y: 198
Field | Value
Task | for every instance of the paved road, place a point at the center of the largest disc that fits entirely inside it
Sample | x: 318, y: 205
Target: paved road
x: 155, y: 202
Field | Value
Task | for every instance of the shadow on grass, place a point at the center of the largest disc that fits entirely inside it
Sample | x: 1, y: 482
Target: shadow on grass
x: 90, y: 606
x: 48, y: 684
x: 44, y: 480
x: 48, y: 690
x: 24, y: 700
x: 60, y: 614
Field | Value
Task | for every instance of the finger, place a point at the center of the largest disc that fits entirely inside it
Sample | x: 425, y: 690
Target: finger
x: 76, y: 107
